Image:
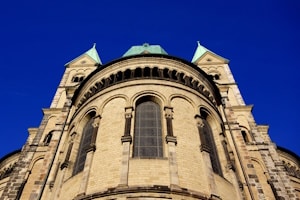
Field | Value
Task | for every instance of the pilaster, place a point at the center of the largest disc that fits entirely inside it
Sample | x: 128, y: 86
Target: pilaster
x: 126, y: 141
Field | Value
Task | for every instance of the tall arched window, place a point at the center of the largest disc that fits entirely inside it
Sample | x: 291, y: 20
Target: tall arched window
x: 48, y: 138
x: 209, y: 142
x: 245, y: 137
x: 85, y: 143
x: 147, y: 130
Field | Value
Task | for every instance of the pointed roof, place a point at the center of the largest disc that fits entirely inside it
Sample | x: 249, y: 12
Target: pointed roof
x: 144, y: 49
x: 92, y: 53
x: 201, y: 50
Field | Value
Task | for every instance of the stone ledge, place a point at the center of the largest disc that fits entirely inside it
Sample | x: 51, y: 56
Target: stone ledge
x: 159, y: 189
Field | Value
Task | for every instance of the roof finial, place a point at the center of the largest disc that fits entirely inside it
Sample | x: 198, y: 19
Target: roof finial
x: 94, y: 45
x: 198, y: 43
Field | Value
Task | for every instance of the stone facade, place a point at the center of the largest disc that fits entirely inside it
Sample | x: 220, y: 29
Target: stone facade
x: 208, y: 144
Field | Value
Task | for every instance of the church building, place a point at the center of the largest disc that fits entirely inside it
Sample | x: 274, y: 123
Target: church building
x: 149, y: 126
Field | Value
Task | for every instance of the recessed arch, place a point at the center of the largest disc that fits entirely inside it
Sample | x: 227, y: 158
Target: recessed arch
x: 122, y: 96
x: 189, y: 100
x: 208, y: 136
x: 34, y: 161
x: 78, y: 117
x: 245, y: 134
x: 85, y: 136
x: 160, y: 97
x: 263, y: 178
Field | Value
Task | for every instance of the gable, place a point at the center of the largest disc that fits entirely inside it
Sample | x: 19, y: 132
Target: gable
x: 210, y: 58
x: 82, y: 60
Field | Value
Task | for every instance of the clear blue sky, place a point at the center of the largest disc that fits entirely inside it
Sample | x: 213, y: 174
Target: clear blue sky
x: 260, y: 38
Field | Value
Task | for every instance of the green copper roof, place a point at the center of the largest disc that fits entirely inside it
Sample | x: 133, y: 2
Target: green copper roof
x: 145, y: 48
x: 92, y: 53
x: 200, y: 51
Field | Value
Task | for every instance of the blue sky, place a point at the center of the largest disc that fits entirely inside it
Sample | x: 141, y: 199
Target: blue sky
x: 260, y: 38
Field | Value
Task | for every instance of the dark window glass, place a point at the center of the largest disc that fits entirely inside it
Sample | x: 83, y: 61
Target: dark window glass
x: 244, y: 134
x: 147, y: 131
x: 47, y: 139
x: 209, y: 139
x: 83, y: 147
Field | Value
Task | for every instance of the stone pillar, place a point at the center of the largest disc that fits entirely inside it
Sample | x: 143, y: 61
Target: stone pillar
x: 126, y: 141
x: 278, y: 178
x: 66, y: 161
x: 63, y: 168
x: 59, y: 182
x: 171, y: 141
x: 231, y: 168
x: 244, y: 166
x: 89, y: 158
x: 18, y: 177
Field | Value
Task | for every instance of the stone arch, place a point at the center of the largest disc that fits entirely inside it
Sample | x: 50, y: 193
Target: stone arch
x: 214, y: 116
x: 35, y: 168
x: 78, y: 116
x: 138, y: 72
x: 166, y: 73
x: 149, y: 72
x: 155, y: 72
x: 77, y: 123
x: 82, y: 119
x: 153, y: 93
x: 34, y: 160
x: 127, y: 74
x: 214, y: 74
x: 263, y: 178
x: 246, y: 134
x: 100, y: 110
x: 185, y: 98
x: 82, y: 140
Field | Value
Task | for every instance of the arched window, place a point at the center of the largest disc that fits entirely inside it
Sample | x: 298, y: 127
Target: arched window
x: 147, y: 130
x: 245, y: 137
x: 209, y: 143
x: 77, y: 78
x: 85, y: 143
x: 47, y: 139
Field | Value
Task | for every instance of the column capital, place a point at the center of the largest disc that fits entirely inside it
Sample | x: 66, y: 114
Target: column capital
x: 96, y: 121
x: 128, y: 109
x: 204, y: 147
x: 65, y: 164
x: 199, y: 121
x: 172, y: 139
x: 168, y: 108
x: 168, y: 112
x: 92, y: 147
x: 126, y: 138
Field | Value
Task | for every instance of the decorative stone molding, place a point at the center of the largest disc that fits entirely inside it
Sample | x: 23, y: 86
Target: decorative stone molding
x: 171, y: 139
x: 149, y: 72
x: 126, y: 138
